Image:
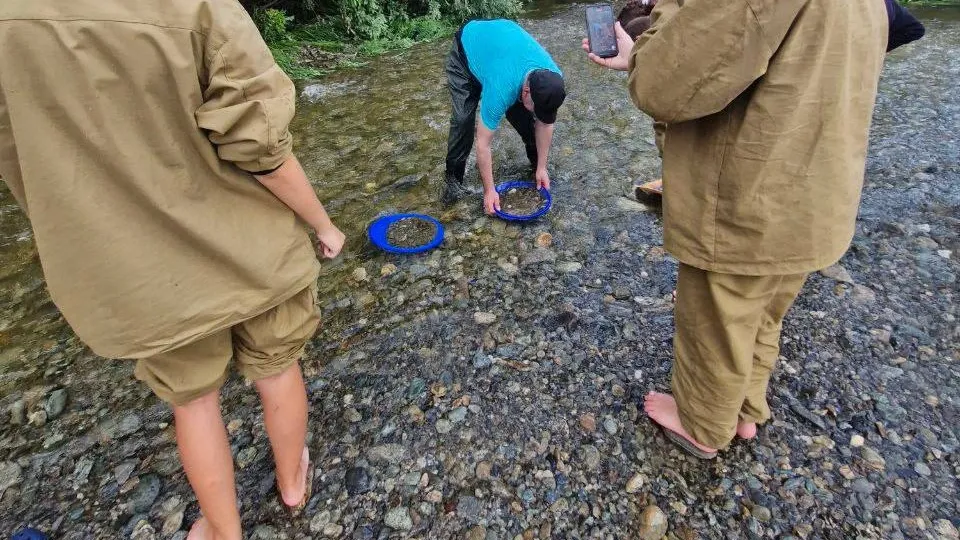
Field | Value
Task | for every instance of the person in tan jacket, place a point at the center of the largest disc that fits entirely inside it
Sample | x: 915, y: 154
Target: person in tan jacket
x: 148, y: 143
x: 768, y: 106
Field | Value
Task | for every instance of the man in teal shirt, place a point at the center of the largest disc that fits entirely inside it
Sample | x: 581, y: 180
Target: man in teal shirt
x: 500, y: 67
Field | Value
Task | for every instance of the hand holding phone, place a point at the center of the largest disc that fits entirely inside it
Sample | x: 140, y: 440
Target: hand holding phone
x: 601, y: 34
x: 620, y: 62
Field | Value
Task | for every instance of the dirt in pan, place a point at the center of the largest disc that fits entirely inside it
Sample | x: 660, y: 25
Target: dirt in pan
x: 521, y: 201
x: 411, y: 232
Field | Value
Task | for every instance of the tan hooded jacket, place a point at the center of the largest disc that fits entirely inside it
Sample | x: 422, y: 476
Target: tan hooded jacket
x: 769, y: 105
x: 128, y: 131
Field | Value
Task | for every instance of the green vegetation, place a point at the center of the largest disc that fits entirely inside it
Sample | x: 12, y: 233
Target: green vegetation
x: 309, y: 37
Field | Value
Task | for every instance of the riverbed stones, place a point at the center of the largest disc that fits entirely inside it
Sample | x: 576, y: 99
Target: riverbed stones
x: 484, y: 318
x: 588, y: 422
x: 652, y: 524
x: 18, y: 412
x: 10, y: 475
x: 591, y: 457
x: 635, y: 484
x: 56, y: 403
x: 357, y: 481
x: 872, y: 458
x: 398, y: 518
x: 144, y: 495
x: 387, y: 453
x: 837, y: 273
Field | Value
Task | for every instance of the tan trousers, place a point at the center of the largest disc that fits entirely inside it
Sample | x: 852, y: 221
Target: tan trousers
x: 726, y: 345
x: 263, y: 346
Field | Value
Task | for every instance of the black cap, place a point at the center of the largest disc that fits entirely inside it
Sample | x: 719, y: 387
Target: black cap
x: 547, y: 92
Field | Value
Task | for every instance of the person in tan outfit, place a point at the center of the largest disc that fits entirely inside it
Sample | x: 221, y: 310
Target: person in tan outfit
x: 768, y: 104
x: 148, y: 143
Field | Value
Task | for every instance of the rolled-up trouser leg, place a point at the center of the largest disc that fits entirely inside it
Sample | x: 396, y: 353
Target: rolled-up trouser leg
x: 718, y: 320
x: 465, y: 96
x: 767, y: 348
x: 522, y: 120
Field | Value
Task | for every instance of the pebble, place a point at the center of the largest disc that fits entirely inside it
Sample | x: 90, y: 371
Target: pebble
x: 387, y: 453
x: 172, y: 523
x: 144, y: 495
x: 837, y: 273
x: 352, y: 415
x: 56, y: 403
x: 509, y: 268
x: 143, y: 531
x: 469, y: 507
x: 945, y: 530
x: 922, y: 469
x: 246, y: 456
x: 482, y: 360
x: 398, y: 518
x: 477, y: 533
x: 18, y: 412
x: 611, y: 426
x: 483, y: 470
x: 544, y: 240
x: 360, y: 274
x: 591, y: 457
x: 862, y: 485
x: 37, y: 418
x: 762, y: 513
x: 333, y: 530
x: 444, y: 426
x: 569, y: 267
x: 457, y: 415
x: 857, y: 441
x: 357, y: 481
x: 387, y: 269
x: 484, y: 318
x: 635, y: 483
x: 320, y: 521
x: 10, y: 475
x: 653, y: 524
x: 863, y: 295
x: 234, y: 426
x: 588, y: 421
x: 538, y: 256
x: 873, y: 458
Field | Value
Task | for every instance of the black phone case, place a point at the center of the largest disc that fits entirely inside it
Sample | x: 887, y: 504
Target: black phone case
x: 592, y: 39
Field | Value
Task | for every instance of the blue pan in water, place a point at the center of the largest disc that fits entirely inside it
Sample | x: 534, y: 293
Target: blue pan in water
x: 506, y: 186
x: 378, y: 234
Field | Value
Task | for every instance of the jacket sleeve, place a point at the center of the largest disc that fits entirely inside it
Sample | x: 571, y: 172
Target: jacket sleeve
x: 904, y: 27
x: 248, y: 101
x: 699, y: 55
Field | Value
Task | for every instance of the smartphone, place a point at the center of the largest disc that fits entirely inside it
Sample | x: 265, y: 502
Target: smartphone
x: 600, y: 31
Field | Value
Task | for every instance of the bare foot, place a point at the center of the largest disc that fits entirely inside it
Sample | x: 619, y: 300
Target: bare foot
x: 200, y: 530
x: 746, y: 430
x: 662, y: 409
x: 295, y: 496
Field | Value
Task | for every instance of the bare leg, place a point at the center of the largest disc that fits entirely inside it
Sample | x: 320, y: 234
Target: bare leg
x: 205, y: 453
x: 284, y: 400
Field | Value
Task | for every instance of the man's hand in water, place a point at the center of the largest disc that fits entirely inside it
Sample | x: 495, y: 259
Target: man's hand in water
x: 330, y: 240
x: 620, y: 62
x: 543, y: 179
x: 491, y: 201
